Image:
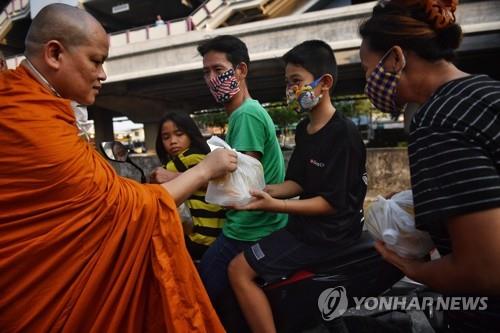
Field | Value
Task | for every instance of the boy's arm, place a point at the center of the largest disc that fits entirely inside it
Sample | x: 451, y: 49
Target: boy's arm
x: 287, y: 189
x: 312, y: 206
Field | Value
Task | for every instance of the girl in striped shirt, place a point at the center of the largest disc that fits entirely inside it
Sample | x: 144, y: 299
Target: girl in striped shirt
x: 180, y: 146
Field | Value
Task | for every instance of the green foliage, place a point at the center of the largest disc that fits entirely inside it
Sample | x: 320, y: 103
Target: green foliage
x: 281, y: 116
x: 212, y: 119
x: 353, y: 106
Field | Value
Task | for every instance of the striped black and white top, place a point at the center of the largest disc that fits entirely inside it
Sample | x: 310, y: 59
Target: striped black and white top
x: 454, y: 152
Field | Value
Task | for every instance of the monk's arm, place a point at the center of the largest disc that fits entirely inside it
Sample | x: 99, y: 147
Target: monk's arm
x: 216, y: 164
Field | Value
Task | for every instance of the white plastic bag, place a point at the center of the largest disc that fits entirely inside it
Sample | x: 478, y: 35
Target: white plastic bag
x: 184, y: 213
x: 234, y: 188
x: 393, y: 222
x: 186, y: 218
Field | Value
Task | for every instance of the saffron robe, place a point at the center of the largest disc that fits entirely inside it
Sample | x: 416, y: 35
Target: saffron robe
x: 81, y: 248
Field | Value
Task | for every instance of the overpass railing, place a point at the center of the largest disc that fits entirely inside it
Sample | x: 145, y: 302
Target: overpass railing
x: 14, y: 10
x: 196, y: 21
x: 171, y: 27
x: 16, y: 7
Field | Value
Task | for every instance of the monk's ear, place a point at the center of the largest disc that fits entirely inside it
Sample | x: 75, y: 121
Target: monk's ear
x: 52, y: 53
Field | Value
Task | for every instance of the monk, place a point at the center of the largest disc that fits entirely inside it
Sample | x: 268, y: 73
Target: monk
x: 82, y: 249
x: 3, y: 63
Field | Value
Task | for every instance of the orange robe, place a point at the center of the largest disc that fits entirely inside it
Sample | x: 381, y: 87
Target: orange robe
x: 82, y: 249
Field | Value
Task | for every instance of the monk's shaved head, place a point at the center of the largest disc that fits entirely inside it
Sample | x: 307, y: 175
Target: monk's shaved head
x: 68, y: 47
x: 69, y: 25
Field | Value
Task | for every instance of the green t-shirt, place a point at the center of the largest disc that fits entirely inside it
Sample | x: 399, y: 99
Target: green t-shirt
x: 250, y: 128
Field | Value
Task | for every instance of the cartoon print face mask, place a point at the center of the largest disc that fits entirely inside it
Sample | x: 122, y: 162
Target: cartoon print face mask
x: 302, y: 99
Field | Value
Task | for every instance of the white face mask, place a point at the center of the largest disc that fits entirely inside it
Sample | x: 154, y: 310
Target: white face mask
x: 82, y: 119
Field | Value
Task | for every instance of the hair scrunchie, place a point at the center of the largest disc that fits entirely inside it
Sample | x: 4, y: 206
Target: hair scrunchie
x: 440, y: 13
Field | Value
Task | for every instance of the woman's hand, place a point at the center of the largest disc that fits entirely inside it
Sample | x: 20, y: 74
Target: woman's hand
x: 409, y: 267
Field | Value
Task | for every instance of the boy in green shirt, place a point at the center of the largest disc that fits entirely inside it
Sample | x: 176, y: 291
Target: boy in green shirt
x: 250, y: 131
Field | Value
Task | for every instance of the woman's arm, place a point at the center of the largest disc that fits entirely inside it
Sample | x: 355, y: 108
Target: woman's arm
x: 472, y: 267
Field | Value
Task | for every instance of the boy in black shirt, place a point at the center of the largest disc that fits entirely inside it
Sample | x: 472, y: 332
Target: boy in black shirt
x: 327, y: 170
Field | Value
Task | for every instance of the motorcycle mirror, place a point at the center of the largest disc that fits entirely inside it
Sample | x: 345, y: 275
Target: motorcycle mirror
x: 115, y: 151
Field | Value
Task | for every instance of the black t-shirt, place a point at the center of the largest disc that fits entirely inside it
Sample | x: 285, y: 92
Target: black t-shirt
x: 454, y: 154
x: 329, y: 163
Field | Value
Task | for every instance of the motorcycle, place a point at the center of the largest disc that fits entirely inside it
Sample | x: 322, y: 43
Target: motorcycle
x: 315, y: 298
x: 356, y: 271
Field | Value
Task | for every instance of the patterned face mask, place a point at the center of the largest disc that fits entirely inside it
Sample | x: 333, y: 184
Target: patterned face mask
x: 381, y: 88
x: 302, y: 99
x: 224, y: 86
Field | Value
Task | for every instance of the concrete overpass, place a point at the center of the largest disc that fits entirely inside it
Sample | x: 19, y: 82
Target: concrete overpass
x: 150, y: 72
x: 147, y: 78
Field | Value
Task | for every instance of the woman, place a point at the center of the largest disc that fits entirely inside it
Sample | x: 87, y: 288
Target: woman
x: 453, y: 149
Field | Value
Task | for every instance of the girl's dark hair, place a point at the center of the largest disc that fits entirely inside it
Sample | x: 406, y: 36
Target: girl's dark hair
x: 185, y: 123
x: 407, y: 23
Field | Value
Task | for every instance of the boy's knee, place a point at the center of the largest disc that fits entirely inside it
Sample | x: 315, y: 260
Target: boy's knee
x: 239, y: 269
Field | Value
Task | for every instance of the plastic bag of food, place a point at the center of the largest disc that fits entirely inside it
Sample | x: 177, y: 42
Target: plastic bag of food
x: 393, y: 222
x: 234, y: 188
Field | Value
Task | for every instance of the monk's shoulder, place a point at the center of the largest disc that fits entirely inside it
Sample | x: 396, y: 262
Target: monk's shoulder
x: 19, y: 89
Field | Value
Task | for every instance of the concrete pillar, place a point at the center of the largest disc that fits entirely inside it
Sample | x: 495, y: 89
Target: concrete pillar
x: 103, y: 125
x: 150, y: 132
x: 410, y: 110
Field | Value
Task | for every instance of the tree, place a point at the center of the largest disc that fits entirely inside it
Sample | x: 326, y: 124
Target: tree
x: 282, y: 117
x: 212, y: 119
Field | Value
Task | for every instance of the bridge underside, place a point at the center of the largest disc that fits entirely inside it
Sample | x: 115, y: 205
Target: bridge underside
x: 146, y: 99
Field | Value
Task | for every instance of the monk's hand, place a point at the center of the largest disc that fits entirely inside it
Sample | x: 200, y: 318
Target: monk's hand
x: 161, y: 175
x: 409, y: 267
x: 262, y: 201
x: 218, y: 163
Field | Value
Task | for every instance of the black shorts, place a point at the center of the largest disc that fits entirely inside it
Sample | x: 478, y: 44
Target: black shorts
x: 280, y: 254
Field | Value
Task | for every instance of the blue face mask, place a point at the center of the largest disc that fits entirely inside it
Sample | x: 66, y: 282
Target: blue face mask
x: 302, y: 99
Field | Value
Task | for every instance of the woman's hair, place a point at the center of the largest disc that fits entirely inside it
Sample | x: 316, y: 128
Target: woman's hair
x: 183, y: 122
x: 426, y: 27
